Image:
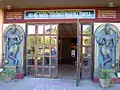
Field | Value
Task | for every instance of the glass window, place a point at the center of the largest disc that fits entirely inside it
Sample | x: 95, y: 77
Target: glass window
x: 87, y: 29
x: 40, y: 29
x: 54, y: 29
x: 47, y: 29
x: 86, y: 40
x: 31, y: 29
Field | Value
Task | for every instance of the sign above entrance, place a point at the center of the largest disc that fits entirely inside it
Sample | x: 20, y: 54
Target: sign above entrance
x: 60, y: 14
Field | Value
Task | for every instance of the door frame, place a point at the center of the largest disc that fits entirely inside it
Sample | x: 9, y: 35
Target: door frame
x: 79, y: 48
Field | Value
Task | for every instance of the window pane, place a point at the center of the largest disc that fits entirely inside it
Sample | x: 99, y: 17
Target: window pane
x: 53, y: 51
x: 86, y: 40
x: 40, y: 29
x: 87, y: 29
x: 40, y: 40
x: 47, y: 40
x: 53, y: 40
x: 54, y: 29
x: 31, y: 71
x: 46, y: 71
x: 40, y: 59
x: 53, y: 61
x: 39, y: 70
x: 86, y: 52
x: 46, y: 61
x: 53, y: 72
x: 46, y: 51
x: 47, y: 29
x: 31, y: 29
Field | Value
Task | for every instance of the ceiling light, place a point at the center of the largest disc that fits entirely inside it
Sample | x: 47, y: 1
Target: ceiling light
x: 111, y: 3
x: 8, y: 6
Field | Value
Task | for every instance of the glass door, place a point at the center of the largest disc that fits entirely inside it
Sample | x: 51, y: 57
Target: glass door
x: 45, y: 50
x: 86, y: 53
x: 30, y: 49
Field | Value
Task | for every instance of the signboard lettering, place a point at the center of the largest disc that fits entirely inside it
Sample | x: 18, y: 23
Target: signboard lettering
x: 107, y: 13
x: 14, y: 15
x: 59, y: 14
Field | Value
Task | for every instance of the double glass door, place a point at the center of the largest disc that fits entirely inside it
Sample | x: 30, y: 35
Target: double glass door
x: 42, y: 54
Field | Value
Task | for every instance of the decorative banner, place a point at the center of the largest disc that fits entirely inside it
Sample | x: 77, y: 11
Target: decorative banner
x: 59, y: 14
x: 107, y: 13
x: 14, y: 15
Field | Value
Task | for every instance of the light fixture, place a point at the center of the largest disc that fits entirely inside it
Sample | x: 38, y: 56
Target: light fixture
x: 8, y: 6
x: 111, y: 3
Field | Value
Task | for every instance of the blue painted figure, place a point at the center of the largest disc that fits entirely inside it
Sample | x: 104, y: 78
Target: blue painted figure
x: 107, y: 45
x: 13, y: 39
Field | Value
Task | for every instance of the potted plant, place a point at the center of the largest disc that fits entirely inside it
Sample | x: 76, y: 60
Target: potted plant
x: 105, y: 78
x: 8, y: 74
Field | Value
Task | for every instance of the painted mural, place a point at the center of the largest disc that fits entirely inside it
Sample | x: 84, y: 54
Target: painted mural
x: 13, y: 41
x: 107, y: 37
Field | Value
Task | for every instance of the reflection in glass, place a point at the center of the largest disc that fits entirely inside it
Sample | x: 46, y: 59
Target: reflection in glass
x: 40, y: 50
x: 46, y: 61
x: 53, y: 61
x: 53, y: 51
x: 86, y: 52
x: 30, y: 46
x: 31, y: 71
x: 53, y: 72
x: 86, y: 40
x: 40, y: 58
x: 87, y: 29
x: 31, y: 29
x: 39, y: 70
x: 40, y: 40
x: 54, y: 29
x: 47, y: 40
x: 30, y: 42
x: 40, y: 29
x: 31, y: 60
x: 46, y: 51
x: 53, y: 40
x: 47, y: 29
x: 46, y: 71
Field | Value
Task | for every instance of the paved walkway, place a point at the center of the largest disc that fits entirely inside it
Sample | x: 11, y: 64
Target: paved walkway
x: 52, y: 84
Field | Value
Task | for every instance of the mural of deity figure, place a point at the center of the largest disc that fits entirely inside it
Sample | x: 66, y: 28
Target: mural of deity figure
x: 107, y: 47
x: 13, y: 39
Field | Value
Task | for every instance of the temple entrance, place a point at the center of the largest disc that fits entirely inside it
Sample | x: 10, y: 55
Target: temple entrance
x: 67, y: 50
x: 59, y: 50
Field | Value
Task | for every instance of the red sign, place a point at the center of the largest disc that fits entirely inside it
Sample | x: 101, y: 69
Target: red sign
x: 107, y: 13
x: 14, y: 15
